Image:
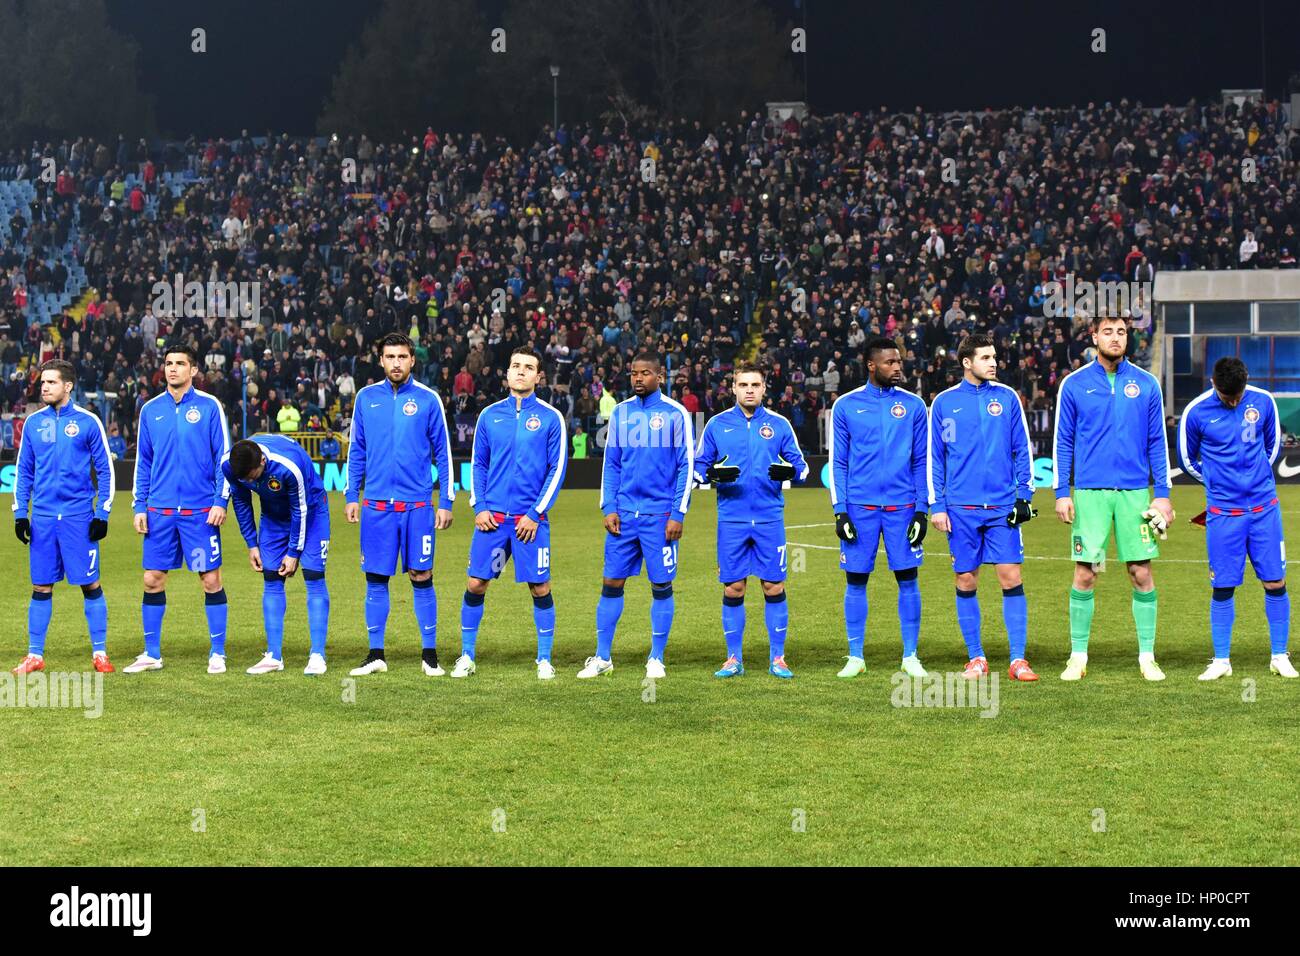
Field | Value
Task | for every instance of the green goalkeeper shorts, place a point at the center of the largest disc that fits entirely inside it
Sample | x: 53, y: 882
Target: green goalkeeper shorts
x: 1096, y: 510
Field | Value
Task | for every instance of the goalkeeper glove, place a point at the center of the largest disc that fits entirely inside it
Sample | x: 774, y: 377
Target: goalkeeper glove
x: 916, y: 529
x: 1023, y: 512
x: 781, y: 470
x: 1157, y: 521
x: 98, y: 529
x: 721, y: 472
x: 23, y: 529
x: 844, y: 528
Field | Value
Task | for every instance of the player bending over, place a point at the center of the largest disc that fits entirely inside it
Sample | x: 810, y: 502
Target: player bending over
x: 295, y: 530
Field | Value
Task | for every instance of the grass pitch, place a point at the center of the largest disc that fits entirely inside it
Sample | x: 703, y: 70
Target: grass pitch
x: 191, y: 769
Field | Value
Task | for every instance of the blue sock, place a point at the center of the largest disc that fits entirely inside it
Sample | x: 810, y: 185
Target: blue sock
x: 1015, y: 615
x: 661, y: 619
x: 544, y: 618
x: 97, y: 619
x: 733, y: 625
x: 1223, y: 612
x: 425, y: 599
x: 608, y: 611
x: 376, y: 612
x: 273, y: 615
x: 776, y: 614
x: 471, y: 615
x: 318, y: 612
x: 215, y: 606
x: 38, y: 620
x: 1277, y: 609
x: 855, y: 616
x: 968, y: 619
x: 152, y: 610
x: 909, y: 614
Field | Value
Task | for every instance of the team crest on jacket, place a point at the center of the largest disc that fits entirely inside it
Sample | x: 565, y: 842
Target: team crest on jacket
x: 410, y: 408
x: 1132, y: 390
x: 533, y: 423
x: 995, y: 408
x: 193, y: 416
x: 766, y: 431
x: 1251, y: 415
x: 898, y: 410
x: 274, y: 484
x: 656, y: 421
x: 71, y: 429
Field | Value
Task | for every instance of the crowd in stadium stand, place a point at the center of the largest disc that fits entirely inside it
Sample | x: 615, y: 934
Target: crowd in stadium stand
x: 792, y: 242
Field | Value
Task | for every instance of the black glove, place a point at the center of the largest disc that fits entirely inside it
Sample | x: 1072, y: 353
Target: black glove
x: 781, y: 471
x: 1023, y: 512
x: 23, y: 530
x: 98, y: 529
x: 917, y: 527
x: 844, y: 528
x: 720, y: 472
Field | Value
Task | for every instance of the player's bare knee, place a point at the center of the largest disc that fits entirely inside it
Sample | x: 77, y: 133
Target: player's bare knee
x: 1278, y: 587
x: 1140, y: 574
x: 155, y: 581
x: 1009, y: 576
x: 538, y: 588
x: 734, y: 589
x: 475, y: 585
x: 49, y: 588
x: 420, y: 575
x: 615, y: 583
x: 1084, y: 577
x: 773, y: 588
x: 89, y: 590
x: 968, y: 580
x: 211, y: 580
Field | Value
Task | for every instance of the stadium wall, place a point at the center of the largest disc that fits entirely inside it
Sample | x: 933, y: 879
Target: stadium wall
x: 585, y: 473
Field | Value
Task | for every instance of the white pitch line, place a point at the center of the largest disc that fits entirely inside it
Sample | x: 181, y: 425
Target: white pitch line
x: 824, y: 524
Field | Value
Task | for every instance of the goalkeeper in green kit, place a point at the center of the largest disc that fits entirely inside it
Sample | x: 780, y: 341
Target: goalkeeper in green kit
x: 1110, y: 435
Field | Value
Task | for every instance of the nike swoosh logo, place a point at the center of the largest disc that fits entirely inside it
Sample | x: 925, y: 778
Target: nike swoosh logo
x: 1090, y: 391
x: 956, y: 410
x: 495, y: 420
x: 728, y: 430
x: 860, y: 410
x: 157, y: 418
x: 1213, y: 420
x: 1287, y: 470
x: 374, y: 404
x: 372, y: 629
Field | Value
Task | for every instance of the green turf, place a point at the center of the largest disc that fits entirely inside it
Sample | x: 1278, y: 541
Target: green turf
x: 706, y: 772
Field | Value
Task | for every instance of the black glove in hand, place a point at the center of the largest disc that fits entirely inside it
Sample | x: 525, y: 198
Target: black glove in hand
x: 844, y: 528
x: 98, y: 529
x: 23, y: 530
x: 781, y: 471
x: 1022, y: 513
x: 916, y: 528
x: 720, y: 472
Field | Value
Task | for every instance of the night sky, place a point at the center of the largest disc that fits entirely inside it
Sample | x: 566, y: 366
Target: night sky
x: 270, y: 62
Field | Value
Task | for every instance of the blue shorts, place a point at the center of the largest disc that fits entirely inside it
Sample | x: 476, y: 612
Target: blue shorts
x: 387, y: 534
x: 641, y: 539
x: 61, y: 547
x: 859, y: 557
x: 490, y: 550
x: 181, y: 541
x: 751, y: 549
x: 982, y: 536
x: 273, y: 541
x: 1230, y: 538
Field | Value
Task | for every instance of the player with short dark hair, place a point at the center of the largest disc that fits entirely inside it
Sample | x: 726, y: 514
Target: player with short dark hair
x: 1228, y: 439
x: 645, y: 489
x: 1110, y: 436
x: 517, y: 464
x: 747, y: 453
x: 981, y: 489
x: 61, y: 444
x: 180, y: 502
x: 877, y: 447
x: 294, y: 530
x: 399, y: 427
